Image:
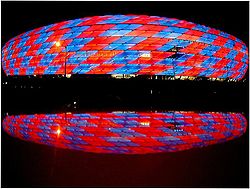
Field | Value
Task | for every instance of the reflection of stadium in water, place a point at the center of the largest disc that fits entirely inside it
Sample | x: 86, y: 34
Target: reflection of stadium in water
x: 127, y: 132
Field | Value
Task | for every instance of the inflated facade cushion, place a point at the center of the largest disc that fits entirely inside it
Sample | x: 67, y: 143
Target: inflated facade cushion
x: 126, y: 44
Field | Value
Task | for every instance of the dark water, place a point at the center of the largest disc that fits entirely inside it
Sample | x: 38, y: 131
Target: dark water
x: 26, y: 164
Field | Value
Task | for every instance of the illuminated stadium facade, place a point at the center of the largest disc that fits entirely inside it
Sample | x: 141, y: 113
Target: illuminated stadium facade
x: 126, y: 44
x: 127, y: 132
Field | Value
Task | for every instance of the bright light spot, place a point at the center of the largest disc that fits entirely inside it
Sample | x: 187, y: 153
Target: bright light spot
x: 68, y: 75
x: 74, y: 102
x: 58, y: 131
x: 58, y: 44
x: 145, y: 123
x: 6, y: 82
x: 146, y: 55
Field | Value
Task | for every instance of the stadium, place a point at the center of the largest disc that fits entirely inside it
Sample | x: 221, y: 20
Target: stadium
x: 127, y: 46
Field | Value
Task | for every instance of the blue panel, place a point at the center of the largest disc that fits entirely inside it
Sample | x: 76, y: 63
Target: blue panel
x: 205, y: 40
x: 70, y: 35
x: 160, y: 34
x: 245, y: 58
x: 136, y: 40
x: 179, y: 70
x: 207, y: 72
x: 126, y: 26
x: 167, y: 61
x: 42, y: 51
x: 80, y: 41
x: 42, y: 38
x: 210, y: 62
x: 116, y: 19
x: 83, y: 68
x: 111, y: 46
x: 123, y: 39
x: 124, y: 47
x: 179, y: 43
x: 209, y: 36
x: 231, y: 55
x: 51, y: 69
x: 47, y: 45
x: 128, y: 69
x: 72, y: 23
x: 185, y: 57
x: 229, y: 44
x: 120, y: 26
x: 210, y: 50
x: 224, y: 34
x: 165, y: 47
x: 201, y: 28
x: 121, y: 32
x: 74, y: 48
x: 30, y: 70
x: 109, y: 33
x: 169, y: 72
x: 45, y: 28
x: 175, y: 29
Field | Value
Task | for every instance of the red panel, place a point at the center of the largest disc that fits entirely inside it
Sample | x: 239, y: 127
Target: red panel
x: 105, y: 68
x: 151, y: 28
x: 195, y: 33
x: 221, y: 64
x: 220, y: 41
x: 154, y: 69
x: 218, y: 73
x: 195, y: 71
x: 221, y: 53
x: 57, y: 26
x: 94, y: 20
x: 188, y: 37
x: 194, y: 48
x: 185, y: 24
x: 143, y: 19
x: 213, y: 31
x: 136, y: 33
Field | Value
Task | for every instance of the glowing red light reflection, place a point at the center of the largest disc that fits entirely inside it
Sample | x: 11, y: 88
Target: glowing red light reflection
x: 127, y: 132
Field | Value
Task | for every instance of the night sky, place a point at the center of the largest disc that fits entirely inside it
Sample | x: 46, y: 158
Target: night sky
x: 26, y: 164
x: 230, y: 17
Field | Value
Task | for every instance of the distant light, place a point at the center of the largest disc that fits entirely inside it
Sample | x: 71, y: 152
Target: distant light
x: 145, y: 123
x: 68, y: 75
x: 145, y: 55
x: 58, y: 131
x: 74, y: 102
x: 58, y: 44
x: 6, y: 82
